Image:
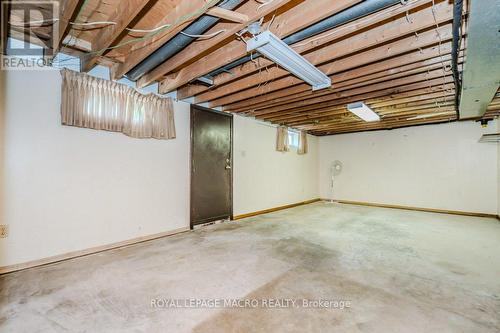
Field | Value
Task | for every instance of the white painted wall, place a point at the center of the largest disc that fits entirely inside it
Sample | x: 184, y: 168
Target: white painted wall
x: 498, y: 173
x: 2, y: 147
x: 71, y: 189
x: 264, y: 178
x: 438, y: 166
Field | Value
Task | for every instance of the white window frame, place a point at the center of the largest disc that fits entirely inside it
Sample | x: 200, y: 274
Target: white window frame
x: 291, y: 135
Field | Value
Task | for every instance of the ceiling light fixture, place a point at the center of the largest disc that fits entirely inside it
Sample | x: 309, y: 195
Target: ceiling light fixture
x: 276, y: 50
x: 362, y: 110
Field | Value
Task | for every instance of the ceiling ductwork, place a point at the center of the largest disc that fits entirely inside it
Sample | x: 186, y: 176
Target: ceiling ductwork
x: 179, y: 42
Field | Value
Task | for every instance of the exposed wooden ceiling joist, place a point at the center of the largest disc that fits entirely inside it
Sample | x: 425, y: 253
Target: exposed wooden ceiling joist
x: 198, y: 50
x: 398, y: 123
x: 294, y: 86
x: 418, y: 80
x: 310, y: 43
x: 291, y: 21
x: 124, y: 14
x: 380, y: 98
x: 68, y: 10
x: 184, y: 13
x: 324, y: 113
x: 345, y: 47
x: 4, y: 28
x: 229, y: 15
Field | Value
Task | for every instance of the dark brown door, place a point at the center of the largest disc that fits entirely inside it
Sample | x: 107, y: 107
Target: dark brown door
x: 211, y: 165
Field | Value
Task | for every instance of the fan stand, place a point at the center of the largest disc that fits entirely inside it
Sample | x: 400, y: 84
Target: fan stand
x: 335, y: 170
x: 331, y: 201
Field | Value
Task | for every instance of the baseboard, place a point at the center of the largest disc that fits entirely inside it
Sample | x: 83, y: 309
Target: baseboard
x: 270, y: 210
x: 420, y: 209
x: 86, y: 252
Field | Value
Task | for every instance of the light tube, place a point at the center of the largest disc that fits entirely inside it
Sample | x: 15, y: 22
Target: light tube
x: 361, y: 110
x: 279, y: 52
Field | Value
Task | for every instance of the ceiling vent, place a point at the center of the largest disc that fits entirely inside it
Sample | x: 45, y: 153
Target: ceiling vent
x: 494, y: 137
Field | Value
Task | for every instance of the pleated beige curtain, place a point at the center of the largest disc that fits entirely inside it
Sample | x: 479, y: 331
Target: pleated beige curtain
x: 106, y: 105
x: 282, y: 139
x: 302, y: 143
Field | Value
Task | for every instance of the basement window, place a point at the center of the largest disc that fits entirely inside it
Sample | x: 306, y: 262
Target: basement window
x: 293, y: 139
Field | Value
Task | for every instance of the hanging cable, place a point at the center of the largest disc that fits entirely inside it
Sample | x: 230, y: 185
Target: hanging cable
x: 263, y: 3
x: 204, y: 36
x: 86, y: 24
x: 149, y: 30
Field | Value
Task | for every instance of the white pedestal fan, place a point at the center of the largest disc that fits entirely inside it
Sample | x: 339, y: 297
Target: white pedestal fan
x: 335, y: 170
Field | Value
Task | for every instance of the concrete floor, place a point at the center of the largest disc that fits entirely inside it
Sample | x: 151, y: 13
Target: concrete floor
x: 401, y: 271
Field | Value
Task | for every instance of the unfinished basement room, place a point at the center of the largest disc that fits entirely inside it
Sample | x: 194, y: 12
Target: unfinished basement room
x: 240, y: 166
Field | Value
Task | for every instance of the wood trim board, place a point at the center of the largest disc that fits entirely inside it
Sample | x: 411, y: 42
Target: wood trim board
x: 270, y: 210
x: 86, y: 252
x: 420, y: 209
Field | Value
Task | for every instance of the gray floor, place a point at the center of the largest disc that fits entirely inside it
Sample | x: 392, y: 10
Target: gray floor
x: 398, y: 271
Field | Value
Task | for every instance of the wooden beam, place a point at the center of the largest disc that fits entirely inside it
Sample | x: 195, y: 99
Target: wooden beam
x: 285, y: 100
x: 187, y: 10
x: 440, y: 120
x: 4, y: 15
x: 394, y: 95
x: 408, y: 90
x: 420, y: 80
x: 405, y: 71
x: 125, y: 12
x: 383, y: 125
x: 67, y: 10
x: 305, y: 45
x: 329, y: 113
x: 344, y: 118
x: 344, y: 67
x: 325, y: 113
x: 228, y: 15
x: 349, y: 120
x: 295, y: 19
x: 358, y: 124
x: 200, y: 48
x: 402, y: 46
x: 394, y: 30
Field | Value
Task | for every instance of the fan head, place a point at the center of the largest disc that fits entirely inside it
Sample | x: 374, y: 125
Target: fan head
x: 336, y: 167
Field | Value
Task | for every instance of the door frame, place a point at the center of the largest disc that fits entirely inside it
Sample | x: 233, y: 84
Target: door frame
x: 191, y: 116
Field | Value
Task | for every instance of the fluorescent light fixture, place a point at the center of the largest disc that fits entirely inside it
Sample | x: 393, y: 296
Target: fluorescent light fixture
x: 361, y: 110
x: 276, y: 50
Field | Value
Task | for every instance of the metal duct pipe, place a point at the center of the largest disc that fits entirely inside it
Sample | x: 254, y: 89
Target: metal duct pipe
x: 455, y: 50
x: 352, y: 13
x: 178, y: 42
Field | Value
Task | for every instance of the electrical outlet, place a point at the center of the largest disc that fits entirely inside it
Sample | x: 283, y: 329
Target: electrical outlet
x: 4, y: 230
